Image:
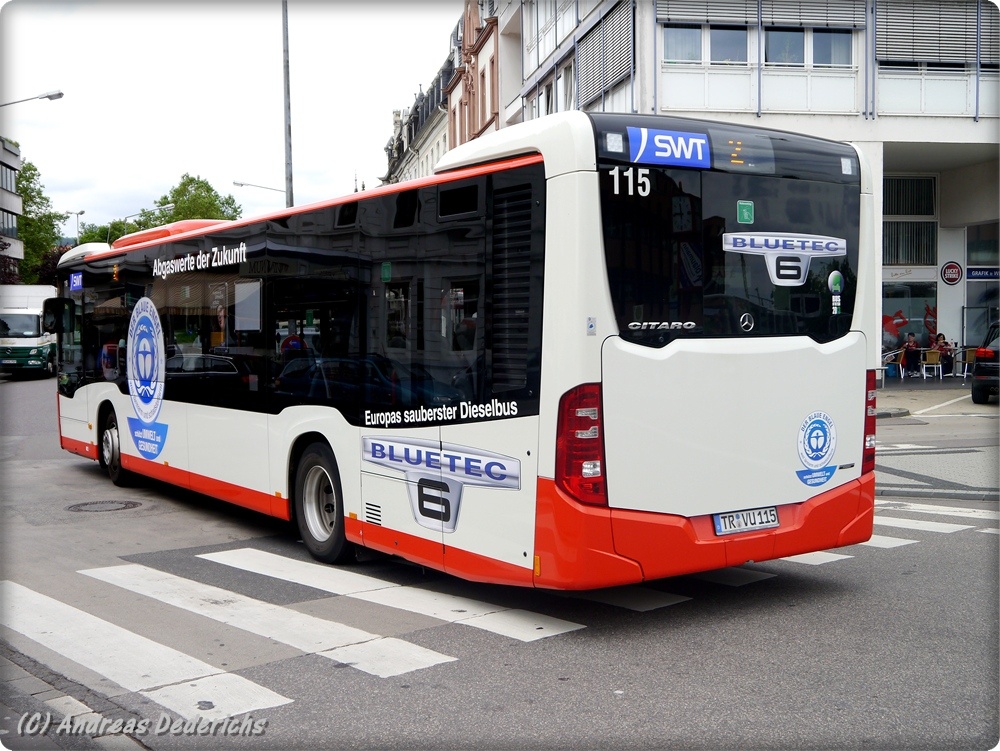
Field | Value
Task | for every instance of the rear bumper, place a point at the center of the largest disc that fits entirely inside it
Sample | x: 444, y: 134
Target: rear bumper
x: 580, y: 547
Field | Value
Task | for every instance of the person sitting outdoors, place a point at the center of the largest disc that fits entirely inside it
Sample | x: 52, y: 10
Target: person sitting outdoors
x: 942, y: 345
x: 911, y: 354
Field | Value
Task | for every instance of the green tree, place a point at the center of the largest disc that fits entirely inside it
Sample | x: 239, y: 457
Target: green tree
x: 192, y: 198
x: 8, y: 266
x: 39, y: 227
x: 195, y: 198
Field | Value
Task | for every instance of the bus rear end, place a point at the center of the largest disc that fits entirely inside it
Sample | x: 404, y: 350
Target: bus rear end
x: 734, y: 417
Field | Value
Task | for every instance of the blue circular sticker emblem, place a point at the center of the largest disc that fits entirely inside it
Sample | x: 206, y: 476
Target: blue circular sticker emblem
x: 817, y: 440
x: 146, y: 361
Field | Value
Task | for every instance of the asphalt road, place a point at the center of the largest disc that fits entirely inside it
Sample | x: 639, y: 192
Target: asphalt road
x: 118, y: 612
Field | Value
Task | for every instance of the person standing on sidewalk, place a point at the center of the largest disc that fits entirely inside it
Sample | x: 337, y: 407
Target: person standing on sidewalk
x: 911, y: 354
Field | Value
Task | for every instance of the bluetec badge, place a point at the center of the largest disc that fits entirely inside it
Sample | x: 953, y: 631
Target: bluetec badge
x: 669, y: 147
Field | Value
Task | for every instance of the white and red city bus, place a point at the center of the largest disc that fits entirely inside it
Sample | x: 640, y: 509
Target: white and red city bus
x: 593, y: 349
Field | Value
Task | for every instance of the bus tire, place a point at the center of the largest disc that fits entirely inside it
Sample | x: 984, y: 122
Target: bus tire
x: 111, y: 454
x: 319, y: 505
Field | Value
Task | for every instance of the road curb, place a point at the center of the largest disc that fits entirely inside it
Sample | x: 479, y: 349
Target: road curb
x: 882, y: 414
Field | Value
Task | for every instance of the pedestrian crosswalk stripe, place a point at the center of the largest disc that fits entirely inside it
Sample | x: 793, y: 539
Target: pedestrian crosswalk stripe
x: 892, y: 521
x: 132, y: 661
x: 188, y: 697
x: 284, y: 625
x: 899, y: 447
x: 927, y: 508
x: 880, y: 541
x: 517, y: 624
x: 326, y: 578
x: 817, y: 558
x: 387, y: 656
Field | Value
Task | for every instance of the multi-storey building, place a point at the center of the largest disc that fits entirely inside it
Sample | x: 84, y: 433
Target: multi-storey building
x: 11, y: 204
x: 915, y: 83
x: 462, y: 102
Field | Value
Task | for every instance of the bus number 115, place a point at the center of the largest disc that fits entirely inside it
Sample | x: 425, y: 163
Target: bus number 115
x: 635, y: 181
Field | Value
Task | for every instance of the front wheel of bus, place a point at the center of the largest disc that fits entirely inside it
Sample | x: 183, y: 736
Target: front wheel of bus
x: 319, y: 507
x: 111, y: 455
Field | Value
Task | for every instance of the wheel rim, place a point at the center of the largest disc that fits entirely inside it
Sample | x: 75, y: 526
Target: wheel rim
x: 319, y: 504
x: 109, y: 448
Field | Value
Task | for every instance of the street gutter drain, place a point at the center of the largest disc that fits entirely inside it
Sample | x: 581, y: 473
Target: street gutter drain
x: 94, y: 506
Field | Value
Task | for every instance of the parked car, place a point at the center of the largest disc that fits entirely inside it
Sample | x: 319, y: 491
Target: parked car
x: 208, y: 379
x: 374, y: 381
x: 986, y: 369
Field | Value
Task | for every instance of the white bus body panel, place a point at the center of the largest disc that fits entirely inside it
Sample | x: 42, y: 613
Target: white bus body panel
x: 227, y: 445
x: 491, y: 519
x: 712, y: 425
x: 74, y: 418
x: 498, y: 522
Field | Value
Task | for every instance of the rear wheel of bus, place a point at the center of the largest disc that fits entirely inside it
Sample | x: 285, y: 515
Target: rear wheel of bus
x: 319, y: 505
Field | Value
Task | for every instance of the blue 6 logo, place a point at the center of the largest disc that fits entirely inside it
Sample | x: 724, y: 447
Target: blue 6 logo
x: 146, y: 361
x: 817, y: 440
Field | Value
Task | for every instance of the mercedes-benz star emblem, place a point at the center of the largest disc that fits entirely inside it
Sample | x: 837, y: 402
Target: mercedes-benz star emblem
x: 746, y: 322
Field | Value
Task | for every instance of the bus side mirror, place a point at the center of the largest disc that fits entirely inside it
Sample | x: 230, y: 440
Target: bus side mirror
x: 57, y: 315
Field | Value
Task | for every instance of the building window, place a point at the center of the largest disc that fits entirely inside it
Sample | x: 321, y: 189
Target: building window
x: 831, y: 48
x: 682, y: 44
x: 785, y: 47
x: 8, y: 224
x: 908, y: 308
x: 604, y: 55
x: 727, y: 45
x: 909, y: 227
x: 565, y: 91
x: 983, y: 244
x: 8, y: 178
x: 909, y: 243
x: 908, y: 196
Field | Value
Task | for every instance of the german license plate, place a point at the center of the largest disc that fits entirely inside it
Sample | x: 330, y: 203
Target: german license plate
x: 8, y: 362
x: 745, y: 521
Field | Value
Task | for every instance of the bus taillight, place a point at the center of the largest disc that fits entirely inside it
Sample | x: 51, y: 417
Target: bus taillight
x: 868, y: 453
x: 580, y: 445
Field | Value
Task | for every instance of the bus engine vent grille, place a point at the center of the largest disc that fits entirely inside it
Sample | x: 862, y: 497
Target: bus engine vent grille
x: 511, y: 286
x: 373, y: 514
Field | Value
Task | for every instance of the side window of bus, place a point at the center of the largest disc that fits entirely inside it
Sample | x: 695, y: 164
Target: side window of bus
x: 460, y: 314
x: 105, y: 337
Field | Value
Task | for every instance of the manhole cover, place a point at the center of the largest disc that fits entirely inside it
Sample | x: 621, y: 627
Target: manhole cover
x: 104, y: 506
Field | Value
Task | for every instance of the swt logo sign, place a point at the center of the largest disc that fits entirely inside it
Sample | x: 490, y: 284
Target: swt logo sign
x: 669, y: 147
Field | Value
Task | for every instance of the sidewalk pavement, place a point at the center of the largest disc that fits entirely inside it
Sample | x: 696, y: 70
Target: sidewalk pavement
x: 899, y: 398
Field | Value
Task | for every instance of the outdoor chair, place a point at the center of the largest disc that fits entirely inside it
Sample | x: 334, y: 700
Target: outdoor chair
x: 930, y: 360
x: 897, y: 358
x: 964, y: 360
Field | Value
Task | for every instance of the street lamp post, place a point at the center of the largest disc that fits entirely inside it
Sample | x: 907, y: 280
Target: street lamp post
x: 46, y: 95
x: 251, y: 185
x: 77, y: 213
x: 288, y: 107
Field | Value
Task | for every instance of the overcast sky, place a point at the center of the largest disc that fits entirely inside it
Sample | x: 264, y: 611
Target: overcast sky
x: 157, y: 89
